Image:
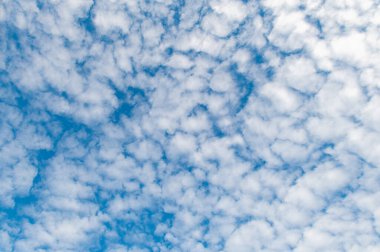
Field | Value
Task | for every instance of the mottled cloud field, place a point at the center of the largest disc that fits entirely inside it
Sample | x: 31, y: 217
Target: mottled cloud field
x: 162, y: 125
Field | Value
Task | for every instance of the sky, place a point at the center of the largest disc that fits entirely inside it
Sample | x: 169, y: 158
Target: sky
x: 189, y: 125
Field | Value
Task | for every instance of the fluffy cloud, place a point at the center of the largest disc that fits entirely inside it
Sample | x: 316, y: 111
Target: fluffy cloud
x: 189, y: 126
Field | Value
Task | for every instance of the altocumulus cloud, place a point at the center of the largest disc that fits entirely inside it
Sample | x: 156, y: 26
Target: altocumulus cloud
x: 162, y: 125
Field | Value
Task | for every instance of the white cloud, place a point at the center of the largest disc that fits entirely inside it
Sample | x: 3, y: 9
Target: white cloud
x: 216, y: 25
x: 233, y: 10
x: 203, y: 126
x: 251, y: 236
x: 291, y: 31
x: 221, y: 82
x: 281, y: 97
x: 350, y: 48
x: 180, y: 61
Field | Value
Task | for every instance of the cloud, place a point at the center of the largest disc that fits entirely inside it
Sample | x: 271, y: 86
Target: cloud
x: 189, y: 126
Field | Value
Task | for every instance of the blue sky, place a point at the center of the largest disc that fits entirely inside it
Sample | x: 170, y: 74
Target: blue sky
x: 162, y: 125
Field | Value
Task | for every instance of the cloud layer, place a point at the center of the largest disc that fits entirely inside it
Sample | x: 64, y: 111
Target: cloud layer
x: 189, y: 125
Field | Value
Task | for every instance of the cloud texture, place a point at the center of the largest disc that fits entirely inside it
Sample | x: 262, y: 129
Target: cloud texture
x: 160, y: 125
